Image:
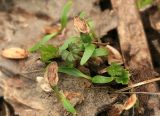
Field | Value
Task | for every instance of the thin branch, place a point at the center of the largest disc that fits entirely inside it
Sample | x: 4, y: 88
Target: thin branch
x: 139, y: 84
x: 34, y: 71
x: 99, y: 43
x: 148, y: 93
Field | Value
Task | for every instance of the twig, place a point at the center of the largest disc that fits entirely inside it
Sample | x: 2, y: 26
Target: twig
x: 139, y: 84
x: 34, y: 71
x: 148, y: 93
x: 99, y: 43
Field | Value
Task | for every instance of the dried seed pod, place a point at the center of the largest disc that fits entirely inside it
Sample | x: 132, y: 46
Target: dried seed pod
x: 114, y: 55
x: 52, y: 74
x: 81, y: 25
x: 130, y: 102
x: 15, y: 53
x: 50, y: 78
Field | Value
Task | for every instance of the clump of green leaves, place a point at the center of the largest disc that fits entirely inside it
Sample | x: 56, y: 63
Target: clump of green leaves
x: 120, y: 74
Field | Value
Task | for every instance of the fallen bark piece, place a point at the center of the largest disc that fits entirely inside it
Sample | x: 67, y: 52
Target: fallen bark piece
x: 135, y: 51
x: 15, y: 53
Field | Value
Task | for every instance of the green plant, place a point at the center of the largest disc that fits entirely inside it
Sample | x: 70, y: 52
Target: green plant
x: 64, y: 14
x: 143, y: 3
x: 79, y: 50
x: 63, y: 21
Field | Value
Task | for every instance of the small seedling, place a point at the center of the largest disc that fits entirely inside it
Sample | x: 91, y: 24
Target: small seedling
x: 79, y: 50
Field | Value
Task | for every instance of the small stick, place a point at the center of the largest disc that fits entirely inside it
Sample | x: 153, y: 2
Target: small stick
x: 139, y: 84
x: 99, y: 43
x: 34, y: 71
x: 148, y: 93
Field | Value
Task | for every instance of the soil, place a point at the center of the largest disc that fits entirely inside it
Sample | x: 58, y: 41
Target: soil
x: 23, y: 23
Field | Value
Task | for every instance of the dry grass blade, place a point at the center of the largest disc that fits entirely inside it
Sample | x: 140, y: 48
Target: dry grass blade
x: 139, y: 84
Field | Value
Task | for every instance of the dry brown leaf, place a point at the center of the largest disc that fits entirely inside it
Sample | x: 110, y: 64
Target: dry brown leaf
x: 130, y: 102
x: 15, y: 53
x: 114, y: 55
x: 74, y: 97
x: 81, y: 25
x: 52, y: 29
x: 71, y: 95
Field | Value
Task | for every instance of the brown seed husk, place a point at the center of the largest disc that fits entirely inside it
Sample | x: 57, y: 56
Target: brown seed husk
x: 52, y: 74
x: 15, y: 53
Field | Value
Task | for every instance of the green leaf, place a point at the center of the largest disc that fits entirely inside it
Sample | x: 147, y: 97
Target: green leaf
x: 90, y: 24
x: 124, y: 78
x: 73, y: 71
x: 43, y: 41
x: 67, y: 56
x: 100, y: 52
x: 115, y: 69
x: 86, y: 38
x: 75, y: 47
x: 48, y: 52
x: 66, y: 43
x: 143, y: 3
x: 66, y: 103
x: 64, y: 14
x: 102, y: 79
x: 89, y: 49
x: 82, y: 15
